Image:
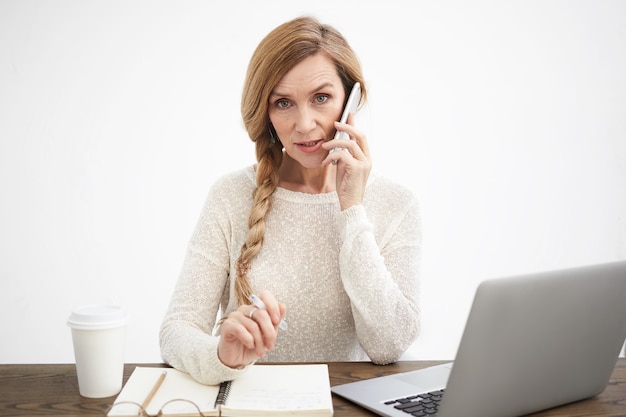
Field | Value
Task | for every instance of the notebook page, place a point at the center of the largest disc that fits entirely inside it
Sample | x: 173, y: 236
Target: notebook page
x: 177, y: 385
x: 281, y: 388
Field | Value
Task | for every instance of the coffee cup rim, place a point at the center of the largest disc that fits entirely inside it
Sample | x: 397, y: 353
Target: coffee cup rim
x: 97, y: 317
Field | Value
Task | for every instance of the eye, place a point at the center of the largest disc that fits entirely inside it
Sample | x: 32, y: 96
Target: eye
x: 321, y: 98
x: 282, y: 104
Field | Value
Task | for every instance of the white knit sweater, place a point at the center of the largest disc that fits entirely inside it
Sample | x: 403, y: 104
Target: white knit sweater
x: 349, y: 278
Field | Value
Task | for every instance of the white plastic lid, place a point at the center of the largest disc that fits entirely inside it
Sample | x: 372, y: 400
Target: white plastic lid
x: 97, y: 317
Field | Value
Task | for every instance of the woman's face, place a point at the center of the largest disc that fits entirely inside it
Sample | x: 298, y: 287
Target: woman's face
x: 304, y: 106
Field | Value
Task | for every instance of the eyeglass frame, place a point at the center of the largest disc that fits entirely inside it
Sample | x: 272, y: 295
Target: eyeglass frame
x: 144, y: 413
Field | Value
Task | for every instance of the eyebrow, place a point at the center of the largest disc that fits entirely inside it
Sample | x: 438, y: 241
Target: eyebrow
x: 275, y: 93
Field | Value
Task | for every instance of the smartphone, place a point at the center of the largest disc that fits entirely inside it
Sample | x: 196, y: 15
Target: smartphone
x: 351, y: 105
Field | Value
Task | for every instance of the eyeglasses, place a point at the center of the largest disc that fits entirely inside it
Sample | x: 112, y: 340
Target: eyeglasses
x: 177, y: 405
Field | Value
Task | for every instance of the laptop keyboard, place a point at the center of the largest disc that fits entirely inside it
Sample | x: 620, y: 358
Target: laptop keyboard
x: 419, y: 405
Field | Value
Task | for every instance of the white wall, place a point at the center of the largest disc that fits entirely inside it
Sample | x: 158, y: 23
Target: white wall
x: 508, y: 119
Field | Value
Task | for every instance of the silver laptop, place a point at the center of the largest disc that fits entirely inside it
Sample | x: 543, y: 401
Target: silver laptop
x: 530, y: 343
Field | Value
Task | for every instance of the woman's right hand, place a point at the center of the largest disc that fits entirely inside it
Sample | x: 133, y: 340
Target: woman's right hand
x: 249, y: 332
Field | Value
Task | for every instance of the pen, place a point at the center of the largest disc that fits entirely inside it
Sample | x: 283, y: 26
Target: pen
x: 155, y: 388
x: 261, y: 306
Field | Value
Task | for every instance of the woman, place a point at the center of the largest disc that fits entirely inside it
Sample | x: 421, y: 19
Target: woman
x: 313, y: 229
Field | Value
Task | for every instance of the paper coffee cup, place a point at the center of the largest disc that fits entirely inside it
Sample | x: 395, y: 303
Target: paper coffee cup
x: 99, y: 337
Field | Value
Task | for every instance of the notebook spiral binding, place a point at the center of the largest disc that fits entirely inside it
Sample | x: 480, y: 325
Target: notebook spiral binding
x: 222, y: 394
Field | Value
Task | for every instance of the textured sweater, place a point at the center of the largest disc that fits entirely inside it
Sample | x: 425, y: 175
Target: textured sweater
x: 349, y: 279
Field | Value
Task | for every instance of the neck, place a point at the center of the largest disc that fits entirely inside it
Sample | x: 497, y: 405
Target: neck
x: 295, y: 177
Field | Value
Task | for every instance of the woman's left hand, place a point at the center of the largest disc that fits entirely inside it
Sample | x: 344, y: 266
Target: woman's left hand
x: 353, y: 164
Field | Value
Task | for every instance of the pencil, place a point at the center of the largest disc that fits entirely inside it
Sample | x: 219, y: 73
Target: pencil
x: 154, y: 390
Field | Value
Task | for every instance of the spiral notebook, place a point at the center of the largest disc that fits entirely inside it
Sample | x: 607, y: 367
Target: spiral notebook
x: 264, y: 390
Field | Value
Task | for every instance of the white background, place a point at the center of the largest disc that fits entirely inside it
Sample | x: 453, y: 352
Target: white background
x: 507, y: 118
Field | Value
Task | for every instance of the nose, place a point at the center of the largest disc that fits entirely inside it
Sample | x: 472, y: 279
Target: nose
x: 306, y: 120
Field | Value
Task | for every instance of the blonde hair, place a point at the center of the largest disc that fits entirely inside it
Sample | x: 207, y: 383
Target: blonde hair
x: 277, y: 54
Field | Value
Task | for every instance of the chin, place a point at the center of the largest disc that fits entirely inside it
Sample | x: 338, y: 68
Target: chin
x: 308, y: 161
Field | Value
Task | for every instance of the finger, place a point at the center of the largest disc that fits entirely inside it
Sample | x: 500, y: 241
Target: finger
x: 271, y: 306
x: 260, y: 314
x: 345, y: 128
x: 359, y: 139
x: 348, y: 151
x: 248, y: 316
x: 348, y: 126
x: 335, y: 148
x: 267, y: 330
x: 231, y: 350
x: 233, y: 330
x: 355, y: 136
x: 334, y: 157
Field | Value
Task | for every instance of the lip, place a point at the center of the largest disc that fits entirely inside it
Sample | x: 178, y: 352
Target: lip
x: 309, y: 146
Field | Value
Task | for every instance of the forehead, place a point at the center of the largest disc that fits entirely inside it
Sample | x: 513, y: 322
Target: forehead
x: 315, y: 70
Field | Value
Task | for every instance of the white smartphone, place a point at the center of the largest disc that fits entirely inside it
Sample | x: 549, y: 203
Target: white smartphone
x: 351, y: 105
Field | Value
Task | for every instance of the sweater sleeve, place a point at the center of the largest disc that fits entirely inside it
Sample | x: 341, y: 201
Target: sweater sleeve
x: 381, y: 279
x: 186, y: 335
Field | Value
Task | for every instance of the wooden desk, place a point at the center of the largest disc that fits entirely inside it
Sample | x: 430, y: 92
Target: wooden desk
x: 52, y: 390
